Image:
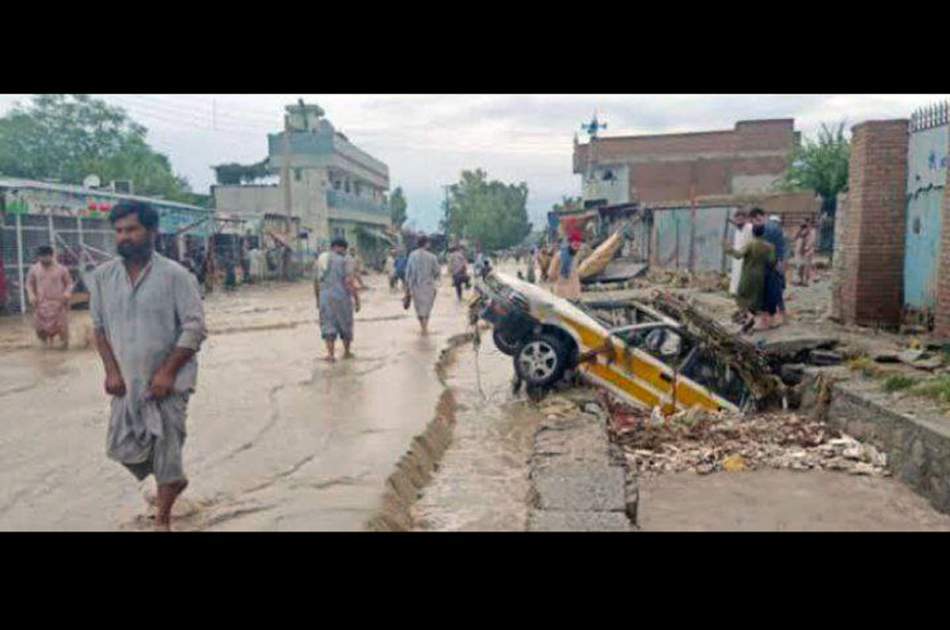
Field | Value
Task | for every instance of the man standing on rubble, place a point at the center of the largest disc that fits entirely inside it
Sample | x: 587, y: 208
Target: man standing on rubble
x: 805, y: 241
x: 743, y: 234
x: 149, y: 324
x: 775, y: 280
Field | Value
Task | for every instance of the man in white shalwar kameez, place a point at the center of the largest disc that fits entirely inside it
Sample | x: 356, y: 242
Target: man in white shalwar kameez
x: 743, y: 235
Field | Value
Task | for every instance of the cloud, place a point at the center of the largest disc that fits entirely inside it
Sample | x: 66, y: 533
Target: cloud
x: 428, y: 139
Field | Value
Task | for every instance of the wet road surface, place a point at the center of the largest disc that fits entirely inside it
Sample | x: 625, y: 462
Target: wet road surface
x: 482, y: 481
x: 277, y: 438
x: 782, y: 500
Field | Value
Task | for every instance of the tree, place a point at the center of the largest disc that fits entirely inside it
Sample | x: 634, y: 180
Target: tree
x: 568, y: 203
x: 233, y: 173
x: 821, y: 166
x: 491, y: 213
x: 66, y: 137
x: 397, y: 207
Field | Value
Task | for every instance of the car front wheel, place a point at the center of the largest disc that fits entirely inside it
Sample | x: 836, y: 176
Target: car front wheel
x: 541, y: 360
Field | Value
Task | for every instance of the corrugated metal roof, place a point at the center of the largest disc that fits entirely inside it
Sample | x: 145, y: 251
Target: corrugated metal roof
x: 13, y: 182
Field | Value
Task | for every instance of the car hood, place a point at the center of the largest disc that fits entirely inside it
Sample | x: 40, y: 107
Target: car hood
x: 544, y: 305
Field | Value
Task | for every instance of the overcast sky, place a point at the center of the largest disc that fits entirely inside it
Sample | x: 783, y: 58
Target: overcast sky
x: 428, y: 139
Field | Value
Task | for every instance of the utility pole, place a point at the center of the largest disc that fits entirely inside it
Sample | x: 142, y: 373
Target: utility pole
x: 285, y: 167
x: 445, y: 188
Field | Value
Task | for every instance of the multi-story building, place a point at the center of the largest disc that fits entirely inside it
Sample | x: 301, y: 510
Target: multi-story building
x: 674, y: 167
x: 331, y: 185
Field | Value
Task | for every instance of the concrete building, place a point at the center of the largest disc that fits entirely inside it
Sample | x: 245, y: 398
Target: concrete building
x: 671, y: 167
x: 335, y: 188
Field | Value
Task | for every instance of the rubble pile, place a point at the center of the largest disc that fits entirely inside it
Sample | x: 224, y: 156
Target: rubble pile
x: 684, y: 279
x: 696, y: 441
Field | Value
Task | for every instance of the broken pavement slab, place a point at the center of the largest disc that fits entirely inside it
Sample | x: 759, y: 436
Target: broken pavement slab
x: 580, y: 488
x: 579, y: 479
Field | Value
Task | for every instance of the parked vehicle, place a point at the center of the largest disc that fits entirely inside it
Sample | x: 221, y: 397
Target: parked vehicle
x: 644, y: 357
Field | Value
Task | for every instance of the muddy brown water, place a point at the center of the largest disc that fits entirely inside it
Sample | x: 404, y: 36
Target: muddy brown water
x: 277, y: 438
x: 482, y: 481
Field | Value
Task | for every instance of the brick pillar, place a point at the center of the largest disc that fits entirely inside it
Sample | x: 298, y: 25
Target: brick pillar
x: 942, y: 316
x: 839, y: 264
x: 871, y: 272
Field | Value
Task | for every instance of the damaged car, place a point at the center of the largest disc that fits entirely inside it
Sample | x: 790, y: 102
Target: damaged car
x: 643, y: 356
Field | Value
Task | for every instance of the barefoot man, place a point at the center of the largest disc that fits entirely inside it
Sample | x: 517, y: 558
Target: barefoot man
x: 337, y: 297
x: 149, y: 323
x: 422, y: 272
x: 48, y: 289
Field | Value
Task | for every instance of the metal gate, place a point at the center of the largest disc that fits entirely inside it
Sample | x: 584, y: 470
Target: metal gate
x: 78, y: 242
x: 926, y: 180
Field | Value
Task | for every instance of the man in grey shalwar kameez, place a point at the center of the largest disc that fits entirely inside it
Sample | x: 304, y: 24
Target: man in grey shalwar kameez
x: 422, y: 271
x: 337, y: 297
x: 149, y: 323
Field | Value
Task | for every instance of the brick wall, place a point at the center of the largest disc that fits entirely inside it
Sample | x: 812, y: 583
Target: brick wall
x: 666, y: 167
x: 942, y: 318
x: 870, y: 283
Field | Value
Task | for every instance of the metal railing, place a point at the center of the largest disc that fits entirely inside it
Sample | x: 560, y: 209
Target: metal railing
x: 76, y: 241
x: 930, y: 117
x: 344, y: 201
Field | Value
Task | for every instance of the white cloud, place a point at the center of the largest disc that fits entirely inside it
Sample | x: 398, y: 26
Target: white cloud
x: 428, y: 139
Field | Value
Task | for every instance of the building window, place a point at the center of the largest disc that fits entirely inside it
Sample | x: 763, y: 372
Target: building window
x: 297, y: 174
x: 336, y: 185
x: 347, y: 186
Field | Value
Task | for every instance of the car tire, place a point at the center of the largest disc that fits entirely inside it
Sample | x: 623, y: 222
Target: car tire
x: 541, y: 360
x: 504, y: 344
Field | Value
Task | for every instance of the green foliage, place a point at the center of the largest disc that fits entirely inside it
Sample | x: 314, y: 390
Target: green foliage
x: 233, y: 173
x: 821, y: 166
x: 397, y: 207
x: 898, y: 382
x: 491, y: 213
x: 568, y: 203
x: 938, y: 389
x: 68, y: 136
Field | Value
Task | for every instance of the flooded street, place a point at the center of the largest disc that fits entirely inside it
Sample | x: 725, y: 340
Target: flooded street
x: 482, y: 482
x: 277, y: 438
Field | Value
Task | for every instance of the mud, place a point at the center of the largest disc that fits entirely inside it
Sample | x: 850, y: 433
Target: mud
x: 482, y: 481
x: 278, y: 439
x: 778, y: 500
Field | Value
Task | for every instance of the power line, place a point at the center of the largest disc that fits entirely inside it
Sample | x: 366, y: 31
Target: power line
x: 179, y: 107
x: 178, y: 117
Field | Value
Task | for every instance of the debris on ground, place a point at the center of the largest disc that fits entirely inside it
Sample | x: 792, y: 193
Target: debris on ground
x: 749, y: 361
x: 704, y: 443
x: 824, y: 357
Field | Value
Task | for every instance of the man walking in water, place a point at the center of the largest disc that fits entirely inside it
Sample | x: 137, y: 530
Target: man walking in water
x: 49, y: 288
x: 458, y: 268
x: 422, y: 270
x: 337, y: 297
x: 149, y: 324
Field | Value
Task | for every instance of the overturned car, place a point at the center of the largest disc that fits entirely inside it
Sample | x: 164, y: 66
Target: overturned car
x: 642, y: 355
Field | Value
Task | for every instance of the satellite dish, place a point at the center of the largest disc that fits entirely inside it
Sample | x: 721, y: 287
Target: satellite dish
x: 91, y: 181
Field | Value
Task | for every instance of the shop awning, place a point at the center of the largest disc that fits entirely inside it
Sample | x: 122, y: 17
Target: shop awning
x: 375, y: 233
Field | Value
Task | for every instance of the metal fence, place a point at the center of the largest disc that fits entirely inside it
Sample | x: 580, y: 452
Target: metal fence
x: 688, y: 238
x: 927, y: 160
x: 78, y: 242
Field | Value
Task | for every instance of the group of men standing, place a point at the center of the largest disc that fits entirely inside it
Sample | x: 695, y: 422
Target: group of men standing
x: 758, y: 278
